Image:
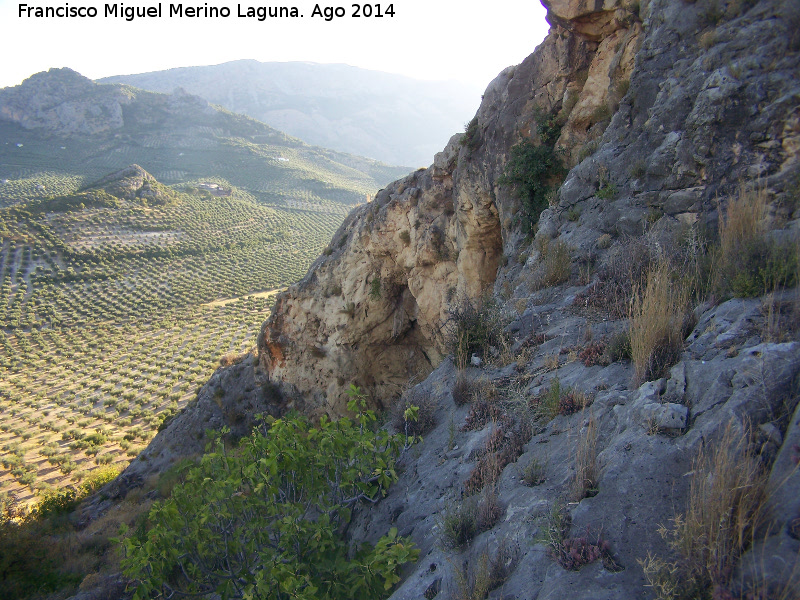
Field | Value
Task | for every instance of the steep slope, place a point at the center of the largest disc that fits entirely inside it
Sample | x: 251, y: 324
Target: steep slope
x: 685, y: 131
x: 664, y: 109
x: 669, y: 113
x: 437, y: 236
x: 388, y: 117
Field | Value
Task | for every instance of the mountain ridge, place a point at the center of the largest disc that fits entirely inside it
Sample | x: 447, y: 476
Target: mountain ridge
x: 178, y: 137
x: 390, y: 117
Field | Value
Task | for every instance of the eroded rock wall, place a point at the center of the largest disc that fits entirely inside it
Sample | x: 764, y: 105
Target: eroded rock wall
x: 438, y: 235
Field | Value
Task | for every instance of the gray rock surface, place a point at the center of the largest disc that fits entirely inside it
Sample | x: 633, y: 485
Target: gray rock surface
x: 643, y: 467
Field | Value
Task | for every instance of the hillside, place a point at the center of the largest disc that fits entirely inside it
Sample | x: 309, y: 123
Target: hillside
x: 61, y: 131
x: 118, y: 301
x: 389, y: 117
x: 131, y: 211
x: 588, y: 307
x: 596, y: 285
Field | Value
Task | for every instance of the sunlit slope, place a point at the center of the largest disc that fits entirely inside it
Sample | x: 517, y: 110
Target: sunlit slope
x: 59, y: 131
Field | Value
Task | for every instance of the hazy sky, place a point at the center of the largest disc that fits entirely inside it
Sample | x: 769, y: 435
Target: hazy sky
x: 426, y: 39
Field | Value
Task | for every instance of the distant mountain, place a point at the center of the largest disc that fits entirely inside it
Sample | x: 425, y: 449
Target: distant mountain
x: 60, y: 131
x: 387, y: 117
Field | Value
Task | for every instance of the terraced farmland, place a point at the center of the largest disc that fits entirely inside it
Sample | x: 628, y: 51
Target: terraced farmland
x: 112, y: 318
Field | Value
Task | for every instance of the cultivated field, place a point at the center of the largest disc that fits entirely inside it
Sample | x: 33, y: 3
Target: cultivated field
x: 112, y: 318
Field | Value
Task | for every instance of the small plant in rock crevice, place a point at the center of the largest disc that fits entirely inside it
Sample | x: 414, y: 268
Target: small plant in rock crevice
x: 533, y: 473
x: 475, y: 579
x: 502, y: 447
x: 425, y: 413
x: 375, y: 288
x: 459, y: 524
x: 557, y: 400
x: 585, y: 483
x: 471, y: 139
x: 462, y: 389
x: 554, y: 266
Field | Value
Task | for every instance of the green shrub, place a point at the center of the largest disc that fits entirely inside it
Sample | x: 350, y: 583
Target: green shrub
x: 607, y: 191
x: 97, y: 479
x: 534, y: 170
x: 30, y: 560
x: 57, y: 502
x: 241, y: 524
x: 546, y: 404
x: 619, y: 347
x: 375, y: 288
x: 472, y: 136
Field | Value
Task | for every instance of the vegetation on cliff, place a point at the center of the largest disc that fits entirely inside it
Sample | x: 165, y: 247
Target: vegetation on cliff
x: 266, y: 519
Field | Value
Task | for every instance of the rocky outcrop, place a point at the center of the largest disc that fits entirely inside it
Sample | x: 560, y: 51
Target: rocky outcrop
x: 65, y: 103
x: 712, y: 101
x: 57, y: 101
x: 665, y: 106
x: 370, y: 311
x: 134, y: 184
x: 429, y: 240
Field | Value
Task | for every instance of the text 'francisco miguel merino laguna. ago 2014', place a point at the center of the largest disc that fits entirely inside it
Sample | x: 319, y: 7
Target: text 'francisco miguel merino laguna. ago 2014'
x: 180, y: 10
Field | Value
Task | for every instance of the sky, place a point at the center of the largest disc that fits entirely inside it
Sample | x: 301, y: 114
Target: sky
x: 468, y: 41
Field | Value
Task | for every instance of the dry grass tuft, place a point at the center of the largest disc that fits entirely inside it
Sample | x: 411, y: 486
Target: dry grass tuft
x: 463, y: 389
x: 426, y: 413
x: 504, y: 446
x: 475, y: 579
x: 555, y: 265
x: 232, y: 358
x: 743, y: 221
x: 725, y: 508
x: 749, y: 262
x: 586, y: 472
x: 624, y: 267
x: 489, y: 509
x: 657, y: 319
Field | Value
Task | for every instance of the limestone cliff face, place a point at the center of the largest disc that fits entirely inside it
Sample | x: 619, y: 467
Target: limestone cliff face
x: 663, y: 107
x: 439, y: 234
x: 370, y: 311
